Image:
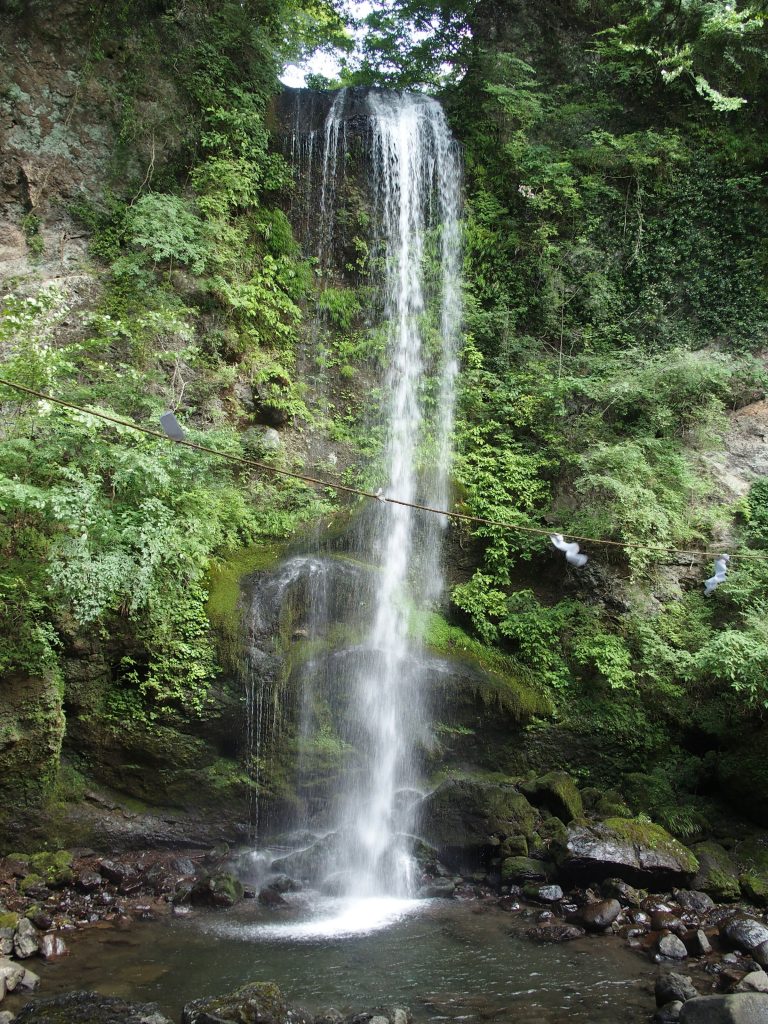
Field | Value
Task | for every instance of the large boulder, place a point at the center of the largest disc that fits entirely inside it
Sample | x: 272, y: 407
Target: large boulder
x: 747, y: 934
x: 468, y: 822
x: 636, y: 851
x: 558, y: 793
x: 741, y: 1008
x: 260, y: 1002
x: 718, y: 874
x: 89, y: 1008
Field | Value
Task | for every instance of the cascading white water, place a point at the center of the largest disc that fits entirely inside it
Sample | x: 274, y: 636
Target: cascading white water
x: 416, y: 174
x: 372, y: 690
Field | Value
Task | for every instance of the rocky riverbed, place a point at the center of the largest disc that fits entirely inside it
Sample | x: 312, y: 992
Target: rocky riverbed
x: 707, y: 957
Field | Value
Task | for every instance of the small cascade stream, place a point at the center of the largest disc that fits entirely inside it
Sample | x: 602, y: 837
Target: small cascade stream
x: 370, y: 680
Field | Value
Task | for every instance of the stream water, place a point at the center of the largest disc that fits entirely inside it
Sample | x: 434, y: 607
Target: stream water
x: 447, y: 961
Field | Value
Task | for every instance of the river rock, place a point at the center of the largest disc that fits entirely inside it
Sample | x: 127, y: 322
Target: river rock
x: 672, y: 986
x: 524, y: 869
x: 718, y: 873
x: 11, y: 975
x: 755, y: 981
x: 26, y: 941
x: 222, y: 890
x: 268, y: 897
x: 89, y: 1008
x: 438, y: 888
x: 596, y: 917
x: 742, y: 1008
x: 669, y: 1014
x: 544, y: 893
x: 694, y: 902
x: 746, y: 934
x: 636, y: 851
x: 672, y: 947
x: 257, y: 1003
x: 618, y: 889
x: 6, y: 940
x: 554, y: 933
x: 558, y: 793
x: 466, y: 821
x: 697, y: 943
x: 6, y: 1017
x: 116, y: 872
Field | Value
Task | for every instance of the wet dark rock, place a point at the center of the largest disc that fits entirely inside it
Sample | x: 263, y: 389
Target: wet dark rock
x: 524, y: 869
x: 694, y: 902
x: 466, y: 821
x: 672, y: 986
x: 269, y: 897
x: 637, y: 852
x: 222, y: 890
x: 671, y: 947
x: 557, y: 792
x: 89, y: 1008
x: 116, y: 872
x: 437, y: 888
x: 626, y: 894
x: 669, y: 1014
x: 88, y: 881
x: 697, y: 943
x: 718, y: 872
x: 256, y: 1003
x: 596, y: 917
x: 665, y: 919
x: 182, y: 866
x: 313, y: 862
x: 760, y: 954
x: 747, y: 934
x: 554, y: 933
x: 284, y: 883
x: 743, y: 1008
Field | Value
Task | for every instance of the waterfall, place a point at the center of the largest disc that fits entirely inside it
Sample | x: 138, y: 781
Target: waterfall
x: 412, y: 177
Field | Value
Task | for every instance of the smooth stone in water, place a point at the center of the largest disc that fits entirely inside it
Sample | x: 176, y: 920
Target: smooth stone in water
x: 438, y: 888
x: 11, y: 975
x: 672, y: 947
x: 745, y: 933
x: 669, y: 1014
x: 694, y: 902
x: 697, y: 943
x: 555, y: 933
x: 743, y: 1008
x: 755, y: 981
x: 257, y: 1003
x: 52, y: 946
x: 596, y: 917
x: 25, y: 940
x: 672, y: 986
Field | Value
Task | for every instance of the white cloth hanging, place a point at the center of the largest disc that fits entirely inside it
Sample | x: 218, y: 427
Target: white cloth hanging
x: 721, y: 568
x: 571, y: 550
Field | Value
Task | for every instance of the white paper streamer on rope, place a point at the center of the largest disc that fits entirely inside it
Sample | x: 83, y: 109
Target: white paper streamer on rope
x: 721, y: 568
x: 572, y: 555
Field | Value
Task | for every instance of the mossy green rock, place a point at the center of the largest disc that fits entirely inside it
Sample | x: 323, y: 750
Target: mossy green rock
x: 9, y: 919
x: 55, y: 869
x: 558, y: 793
x: 468, y: 821
x: 517, y: 870
x: 752, y: 858
x: 222, y: 890
x: 637, y: 851
x: 260, y: 1002
x: 718, y: 874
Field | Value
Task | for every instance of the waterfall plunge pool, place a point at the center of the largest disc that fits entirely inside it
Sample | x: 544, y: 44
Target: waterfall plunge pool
x: 447, y: 960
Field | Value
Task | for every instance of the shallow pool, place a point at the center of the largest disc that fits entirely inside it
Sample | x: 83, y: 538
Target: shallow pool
x: 447, y: 960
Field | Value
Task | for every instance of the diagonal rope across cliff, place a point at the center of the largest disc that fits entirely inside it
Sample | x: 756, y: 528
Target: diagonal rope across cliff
x: 338, y: 486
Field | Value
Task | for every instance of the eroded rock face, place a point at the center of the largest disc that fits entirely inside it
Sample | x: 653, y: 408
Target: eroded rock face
x: 637, y: 852
x: 467, y: 822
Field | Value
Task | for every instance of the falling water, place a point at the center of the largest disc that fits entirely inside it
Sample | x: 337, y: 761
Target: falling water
x: 414, y: 179
x: 414, y: 162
